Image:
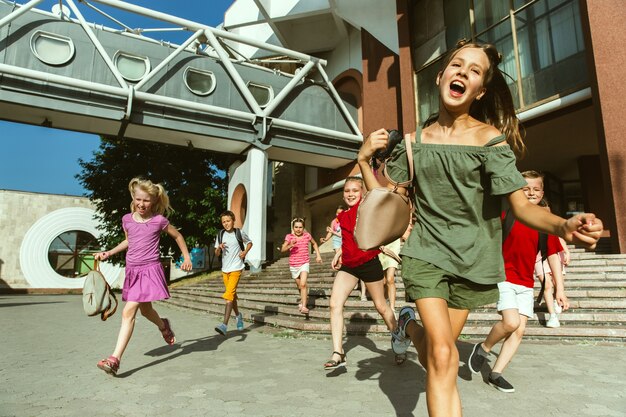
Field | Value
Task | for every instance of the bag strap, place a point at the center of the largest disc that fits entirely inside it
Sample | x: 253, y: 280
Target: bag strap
x: 239, y: 238
x: 390, y: 253
x: 110, y: 311
x: 409, y: 157
x: 507, y: 224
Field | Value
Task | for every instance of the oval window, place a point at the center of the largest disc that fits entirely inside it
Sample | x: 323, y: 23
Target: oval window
x: 199, y: 82
x: 132, y: 67
x: 263, y: 94
x: 51, y: 48
x: 71, y: 253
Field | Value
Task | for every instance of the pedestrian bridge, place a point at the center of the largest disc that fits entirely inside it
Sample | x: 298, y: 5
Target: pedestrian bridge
x: 59, y: 71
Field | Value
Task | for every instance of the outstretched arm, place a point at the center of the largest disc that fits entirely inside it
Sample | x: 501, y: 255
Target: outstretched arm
x: 582, y: 229
x: 180, y: 241
x: 318, y: 257
x: 121, y: 247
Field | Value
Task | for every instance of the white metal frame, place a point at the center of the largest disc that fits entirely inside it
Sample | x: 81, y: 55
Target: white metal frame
x: 212, y: 37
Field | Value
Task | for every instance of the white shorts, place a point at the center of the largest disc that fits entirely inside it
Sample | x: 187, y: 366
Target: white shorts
x: 296, y: 270
x: 514, y: 296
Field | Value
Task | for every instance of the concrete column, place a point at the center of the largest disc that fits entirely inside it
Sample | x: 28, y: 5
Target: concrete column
x: 605, y: 37
x: 252, y: 175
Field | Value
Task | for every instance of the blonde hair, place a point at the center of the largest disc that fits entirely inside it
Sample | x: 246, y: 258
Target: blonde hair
x: 355, y: 179
x: 160, y: 200
x: 297, y: 220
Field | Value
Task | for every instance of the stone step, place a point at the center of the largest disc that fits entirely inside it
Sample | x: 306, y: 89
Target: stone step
x: 320, y: 305
x: 357, y: 325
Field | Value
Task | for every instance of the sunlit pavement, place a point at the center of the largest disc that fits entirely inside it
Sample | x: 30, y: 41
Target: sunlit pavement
x: 49, y: 352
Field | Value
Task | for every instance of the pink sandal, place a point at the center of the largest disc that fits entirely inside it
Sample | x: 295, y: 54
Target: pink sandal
x: 168, y: 333
x: 110, y: 365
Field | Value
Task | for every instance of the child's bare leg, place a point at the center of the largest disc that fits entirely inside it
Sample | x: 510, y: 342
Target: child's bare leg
x: 304, y: 291
x: 148, y: 311
x: 363, y: 290
x: 548, y: 293
x: 390, y: 279
x: 442, y: 358
x: 342, y: 287
x: 228, y: 310
x: 377, y: 292
x: 235, y: 307
x: 510, y: 322
x: 510, y: 345
x: 126, y: 330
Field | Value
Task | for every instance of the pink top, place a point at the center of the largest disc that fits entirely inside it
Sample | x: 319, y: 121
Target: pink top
x: 143, y: 239
x: 299, y: 254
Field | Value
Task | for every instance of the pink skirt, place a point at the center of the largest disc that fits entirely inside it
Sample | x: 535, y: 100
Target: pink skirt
x: 145, y: 283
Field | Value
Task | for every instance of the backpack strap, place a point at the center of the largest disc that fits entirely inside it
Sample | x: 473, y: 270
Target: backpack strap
x: 507, y: 224
x: 409, y: 157
x: 109, y: 311
x: 220, y: 236
x: 239, y: 238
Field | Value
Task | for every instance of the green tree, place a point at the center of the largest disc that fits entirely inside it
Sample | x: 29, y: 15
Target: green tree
x: 194, y: 180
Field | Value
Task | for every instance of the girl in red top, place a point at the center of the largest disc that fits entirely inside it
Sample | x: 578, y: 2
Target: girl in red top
x: 354, y: 264
x: 297, y: 243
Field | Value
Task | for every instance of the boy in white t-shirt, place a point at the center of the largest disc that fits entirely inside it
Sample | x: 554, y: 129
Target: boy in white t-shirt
x: 232, y: 245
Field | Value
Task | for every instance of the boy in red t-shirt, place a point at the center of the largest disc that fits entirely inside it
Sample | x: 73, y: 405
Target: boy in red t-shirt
x: 516, y: 301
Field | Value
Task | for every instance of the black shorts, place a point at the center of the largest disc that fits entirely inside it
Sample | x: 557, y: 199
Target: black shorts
x: 370, y: 271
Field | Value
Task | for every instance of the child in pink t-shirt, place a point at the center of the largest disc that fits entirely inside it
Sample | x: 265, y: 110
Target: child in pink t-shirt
x: 145, y: 279
x: 297, y: 243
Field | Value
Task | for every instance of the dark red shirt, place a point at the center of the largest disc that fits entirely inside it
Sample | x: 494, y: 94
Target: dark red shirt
x: 520, y: 252
x: 351, y: 255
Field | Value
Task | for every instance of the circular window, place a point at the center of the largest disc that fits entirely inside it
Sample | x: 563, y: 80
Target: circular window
x: 71, y: 253
x: 239, y: 204
x: 38, y: 242
x: 51, y: 48
x: 132, y: 67
x: 199, y: 82
x: 263, y: 94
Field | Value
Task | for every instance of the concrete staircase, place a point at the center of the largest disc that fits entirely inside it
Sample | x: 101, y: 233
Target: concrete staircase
x: 595, y: 285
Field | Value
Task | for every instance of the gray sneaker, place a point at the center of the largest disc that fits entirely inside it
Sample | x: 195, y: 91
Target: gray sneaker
x: 399, y: 341
x: 501, y: 384
x: 221, y: 329
x: 476, y: 360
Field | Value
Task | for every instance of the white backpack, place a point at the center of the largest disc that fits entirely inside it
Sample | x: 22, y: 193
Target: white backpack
x: 97, y: 295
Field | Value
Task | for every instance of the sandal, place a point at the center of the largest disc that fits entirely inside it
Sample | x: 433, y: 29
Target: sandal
x: 168, y: 333
x: 400, y: 358
x: 333, y: 364
x: 304, y: 310
x: 110, y: 365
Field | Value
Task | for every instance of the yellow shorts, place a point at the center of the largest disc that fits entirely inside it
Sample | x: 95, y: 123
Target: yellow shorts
x: 231, y: 279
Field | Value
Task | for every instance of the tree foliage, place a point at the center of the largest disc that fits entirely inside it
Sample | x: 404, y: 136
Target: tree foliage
x: 194, y: 179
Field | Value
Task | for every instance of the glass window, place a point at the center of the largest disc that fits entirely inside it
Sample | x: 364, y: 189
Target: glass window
x: 199, y: 82
x: 550, y: 44
x: 457, y: 23
x: 502, y: 37
x: 489, y: 12
x: 427, y: 91
x: 263, y: 94
x: 71, y: 253
x: 51, y: 48
x: 132, y: 67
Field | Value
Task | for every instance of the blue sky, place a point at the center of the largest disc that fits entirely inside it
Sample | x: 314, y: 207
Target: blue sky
x: 38, y: 159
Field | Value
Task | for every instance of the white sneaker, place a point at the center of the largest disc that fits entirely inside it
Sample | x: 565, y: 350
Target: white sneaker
x: 557, y: 308
x: 553, y: 321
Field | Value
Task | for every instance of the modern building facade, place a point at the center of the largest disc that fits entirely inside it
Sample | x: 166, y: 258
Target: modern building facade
x: 562, y: 58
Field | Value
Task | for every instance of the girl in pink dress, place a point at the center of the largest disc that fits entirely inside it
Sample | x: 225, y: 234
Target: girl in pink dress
x: 145, y: 278
x: 297, y: 243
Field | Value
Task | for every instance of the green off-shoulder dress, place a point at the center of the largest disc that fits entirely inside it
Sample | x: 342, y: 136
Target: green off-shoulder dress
x: 458, y: 198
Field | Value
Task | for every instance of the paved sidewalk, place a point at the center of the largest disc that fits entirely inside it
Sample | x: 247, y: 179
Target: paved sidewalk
x: 50, y: 349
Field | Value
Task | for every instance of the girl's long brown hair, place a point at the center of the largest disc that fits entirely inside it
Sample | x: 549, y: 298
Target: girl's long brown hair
x: 496, y: 107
